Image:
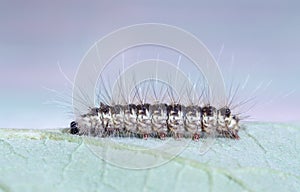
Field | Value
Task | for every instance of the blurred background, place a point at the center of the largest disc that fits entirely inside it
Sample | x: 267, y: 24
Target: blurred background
x: 259, y: 42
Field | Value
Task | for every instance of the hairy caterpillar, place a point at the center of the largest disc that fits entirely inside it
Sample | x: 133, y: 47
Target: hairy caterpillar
x: 167, y: 86
x: 157, y: 120
x: 120, y: 115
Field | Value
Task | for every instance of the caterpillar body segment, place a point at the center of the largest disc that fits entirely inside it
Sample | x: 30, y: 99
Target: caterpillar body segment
x: 175, y: 122
x: 209, y: 119
x: 130, y: 118
x: 159, y: 118
x: 227, y: 123
x: 144, y: 125
x: 233, y: 126
x: 193, y: 118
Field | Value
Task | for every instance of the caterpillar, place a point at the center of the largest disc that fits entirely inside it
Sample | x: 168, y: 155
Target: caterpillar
x: 159, y: 120
x: 121, y: 115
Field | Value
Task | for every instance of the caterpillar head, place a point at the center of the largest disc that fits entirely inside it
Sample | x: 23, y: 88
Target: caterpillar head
x: 74, y: 128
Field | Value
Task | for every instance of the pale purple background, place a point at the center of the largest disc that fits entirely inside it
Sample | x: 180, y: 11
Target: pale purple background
x: 35, y: 35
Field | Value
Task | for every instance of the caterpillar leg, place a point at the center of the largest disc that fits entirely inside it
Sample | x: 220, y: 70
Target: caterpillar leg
x: 196, y: 137
x: 145, y: 136
x: 162, y: 135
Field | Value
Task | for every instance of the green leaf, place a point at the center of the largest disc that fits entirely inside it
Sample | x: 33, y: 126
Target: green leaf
x: 266, y: 158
